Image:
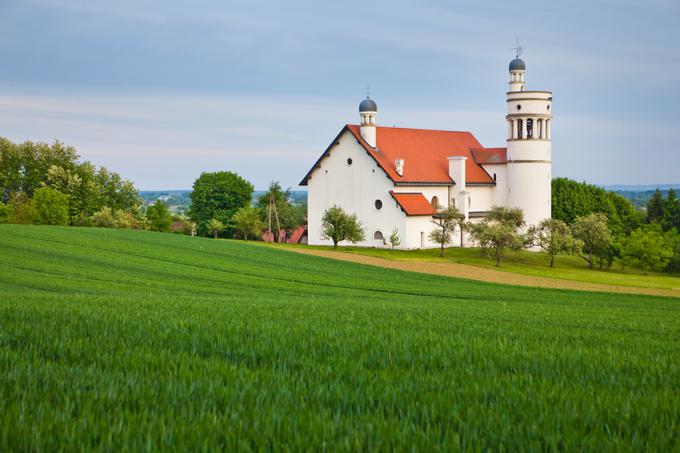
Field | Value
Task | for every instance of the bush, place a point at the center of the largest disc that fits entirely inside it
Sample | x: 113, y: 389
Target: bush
x: 6, y: 213
x: 247, y: 222
x: 50, y: 206
x: 124, y: 219
x: 103, y: 218
x: 648, y: 249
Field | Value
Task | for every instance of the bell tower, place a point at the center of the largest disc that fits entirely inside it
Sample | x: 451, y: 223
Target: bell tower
x: 529, y: 123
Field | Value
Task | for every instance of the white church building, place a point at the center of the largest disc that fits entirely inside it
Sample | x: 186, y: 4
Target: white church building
x: 393, y: 177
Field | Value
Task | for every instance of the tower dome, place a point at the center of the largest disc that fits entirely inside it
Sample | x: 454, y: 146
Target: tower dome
x: 517, y: 65
x: 368, y: 105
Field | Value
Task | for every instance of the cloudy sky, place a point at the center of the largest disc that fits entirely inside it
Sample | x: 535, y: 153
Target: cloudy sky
x: 163, y: 90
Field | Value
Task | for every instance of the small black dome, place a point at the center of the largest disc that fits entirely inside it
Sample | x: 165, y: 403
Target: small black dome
x: 517, y: 65
x: 368, y: 105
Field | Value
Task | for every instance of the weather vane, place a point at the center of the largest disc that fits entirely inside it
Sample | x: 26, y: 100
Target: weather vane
x: 518, y: 49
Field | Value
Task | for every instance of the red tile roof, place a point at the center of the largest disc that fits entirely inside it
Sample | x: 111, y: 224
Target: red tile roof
x: 425, y: 154
x: 490, y: 155
x: 413, y: 203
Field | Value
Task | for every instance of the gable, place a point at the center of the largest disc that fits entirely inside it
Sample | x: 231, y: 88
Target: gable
x: 425, y: 153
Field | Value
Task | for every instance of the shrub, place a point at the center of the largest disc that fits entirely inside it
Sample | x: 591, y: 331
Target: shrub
x: 50, y: 206
x: 339, y: 226
x: 103, y: 218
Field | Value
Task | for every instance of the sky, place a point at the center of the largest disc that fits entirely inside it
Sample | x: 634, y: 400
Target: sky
x: 161, y: 91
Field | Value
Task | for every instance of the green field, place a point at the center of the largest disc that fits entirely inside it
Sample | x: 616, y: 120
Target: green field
x: 522, y: 262
x: 114, y: 339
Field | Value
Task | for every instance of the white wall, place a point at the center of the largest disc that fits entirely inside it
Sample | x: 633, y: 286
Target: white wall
x: 354, y: 188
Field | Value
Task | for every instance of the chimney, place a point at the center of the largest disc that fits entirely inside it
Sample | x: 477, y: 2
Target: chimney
x: 457, y: 171
x: 399, y: 163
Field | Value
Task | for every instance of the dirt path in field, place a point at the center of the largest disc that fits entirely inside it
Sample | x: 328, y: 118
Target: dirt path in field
x: 449, y: 269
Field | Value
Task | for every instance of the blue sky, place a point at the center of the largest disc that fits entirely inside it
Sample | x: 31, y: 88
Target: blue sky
x: 163, y: 90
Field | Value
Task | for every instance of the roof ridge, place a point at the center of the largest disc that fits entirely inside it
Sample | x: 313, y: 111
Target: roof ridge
x: 416, y: 129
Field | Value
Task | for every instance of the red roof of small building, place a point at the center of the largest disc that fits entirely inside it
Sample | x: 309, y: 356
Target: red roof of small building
x: 490, y: 155
x: 425, y: 154
x: 413, y: 203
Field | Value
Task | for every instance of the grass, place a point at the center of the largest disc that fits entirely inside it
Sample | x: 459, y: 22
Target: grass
x: 523, y: 262
x: 113, y: 339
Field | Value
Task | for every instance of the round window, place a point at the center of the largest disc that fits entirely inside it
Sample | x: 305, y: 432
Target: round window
x: 378, y: 205
x: 349, y: 161
x: 519, y: 107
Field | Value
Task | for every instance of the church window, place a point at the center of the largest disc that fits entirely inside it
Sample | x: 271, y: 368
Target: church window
x: 494, y: 177
x: 519, y: 129
x: 519, y: 107
x: 378, y: 205
x: 548, y: 107
x: 349, y: 161
x: 378, y: 236
x: 435, y: 202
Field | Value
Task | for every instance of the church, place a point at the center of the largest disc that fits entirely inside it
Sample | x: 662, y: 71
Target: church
x: 396, y: 178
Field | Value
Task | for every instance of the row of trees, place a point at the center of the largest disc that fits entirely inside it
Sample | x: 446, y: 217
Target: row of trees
x: 221, y: 206
x: 43, y: 183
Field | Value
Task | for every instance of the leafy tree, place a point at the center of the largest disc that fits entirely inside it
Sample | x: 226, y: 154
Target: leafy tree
x: 499, y: 231
x: 593, y: 231
x: 247, y: 221
x: 103, y: 218
x: 554, y: 237
x: 290, y: 215
x: 655, y: 207
x: 339, y: 226
x: 51, y: 206
x: 671, y: 212
x: 648, y: 249
x: 159, y: 217
x: 218, y: 196
x: 394, y: 238
x: 673, y: 240
x: 446, y: 222
x: 215, y: 227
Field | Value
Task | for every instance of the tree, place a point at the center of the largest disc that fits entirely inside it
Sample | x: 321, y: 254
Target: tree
x: 671, y: 212
x: 21, y: 205
x: 159, y: 217
x: 655, y: 207
x: 215, y: 227
x: 339, y: 226
x: 50, y: 206
x: 554, y: 237
x: 247, y: 222
x: 394, y: 238
x: 499, y: 231
x: 290, y: 216
x: 6, y: 213
x: 103, y: 218
x: 593, y: 231
x: 218, y: 196
x: 648, y: 249
x: 446, y: 222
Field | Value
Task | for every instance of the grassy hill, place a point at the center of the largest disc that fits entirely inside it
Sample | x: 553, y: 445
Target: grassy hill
x: 126, y: 339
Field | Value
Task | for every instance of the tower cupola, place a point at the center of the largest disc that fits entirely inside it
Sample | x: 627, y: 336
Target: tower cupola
x: 368, y: 110
x: 517, y: 68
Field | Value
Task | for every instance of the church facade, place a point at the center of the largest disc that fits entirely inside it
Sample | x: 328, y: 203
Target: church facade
x: 396, y: 178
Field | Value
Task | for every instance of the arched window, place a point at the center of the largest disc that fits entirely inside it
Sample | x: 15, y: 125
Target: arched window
x: 378, y: 236
x: 519, y: 129
x: 435, y: 202
x: 530, y: 128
